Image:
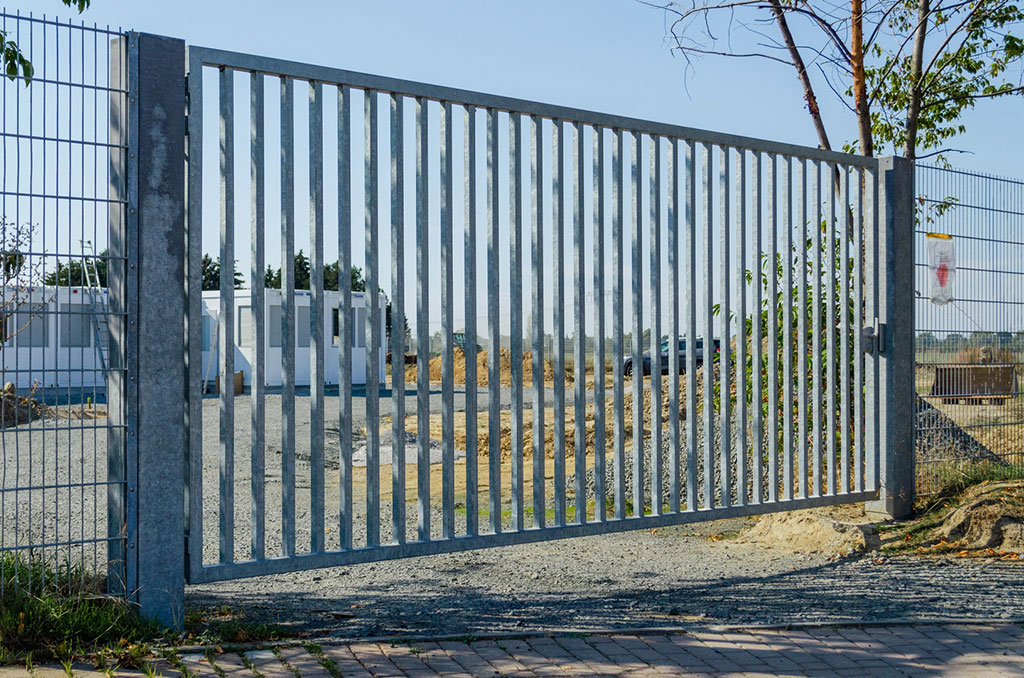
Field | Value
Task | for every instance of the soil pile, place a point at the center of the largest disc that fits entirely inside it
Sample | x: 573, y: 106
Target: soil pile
x: 844, y: 529
x: 482, y: 374
x: 989, y: 518
x: 17, y: 409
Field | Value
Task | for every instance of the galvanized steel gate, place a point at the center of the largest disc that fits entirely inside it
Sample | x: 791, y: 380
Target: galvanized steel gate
x: 481, y: 213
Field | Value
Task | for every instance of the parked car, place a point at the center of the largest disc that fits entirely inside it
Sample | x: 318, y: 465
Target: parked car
x: 627, y: 363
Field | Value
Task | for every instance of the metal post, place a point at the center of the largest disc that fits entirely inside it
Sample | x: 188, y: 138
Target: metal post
x: 895, y: 280
x: 154, y: 286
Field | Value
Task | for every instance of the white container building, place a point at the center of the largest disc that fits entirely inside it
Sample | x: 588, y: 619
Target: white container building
x: 245, y: 353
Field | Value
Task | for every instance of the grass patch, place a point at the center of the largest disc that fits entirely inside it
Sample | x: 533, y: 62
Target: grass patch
x: 214, y: 626
x: 46, y: 618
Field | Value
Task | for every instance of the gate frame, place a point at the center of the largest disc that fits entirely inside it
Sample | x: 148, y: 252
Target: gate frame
x: 156, y: 502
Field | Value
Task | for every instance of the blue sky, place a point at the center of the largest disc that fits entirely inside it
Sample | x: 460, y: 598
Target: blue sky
x: 607, y: 55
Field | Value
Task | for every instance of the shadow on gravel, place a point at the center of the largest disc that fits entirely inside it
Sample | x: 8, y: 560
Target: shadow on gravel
x: 438, y: 603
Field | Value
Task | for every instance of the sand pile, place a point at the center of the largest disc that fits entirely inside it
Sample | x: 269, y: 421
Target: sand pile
x: 840, y: 529
x: 505, y: 422
x: 505, y: 368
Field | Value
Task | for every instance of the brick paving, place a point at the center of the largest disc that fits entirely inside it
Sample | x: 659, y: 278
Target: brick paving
x: 968, y: 650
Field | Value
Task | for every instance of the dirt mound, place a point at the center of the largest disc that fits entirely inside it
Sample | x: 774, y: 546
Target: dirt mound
x: 990, y: 516
x: 482, y: 374
x: 505, y: 422
x: 16, y: 409
x: 822, y: 530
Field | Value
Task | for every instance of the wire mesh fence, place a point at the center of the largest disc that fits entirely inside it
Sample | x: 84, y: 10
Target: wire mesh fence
x: 969, y: 343
x: 56, y: 207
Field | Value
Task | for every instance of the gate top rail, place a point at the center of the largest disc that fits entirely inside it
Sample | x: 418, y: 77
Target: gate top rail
x: 207, y: 56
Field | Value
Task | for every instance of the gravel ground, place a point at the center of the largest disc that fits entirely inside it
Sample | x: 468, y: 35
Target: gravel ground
x: 631, y: 579
x: 614, y: 581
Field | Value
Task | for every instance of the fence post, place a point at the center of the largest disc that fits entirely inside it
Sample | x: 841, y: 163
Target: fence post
x: 153, y: 237
x: 896, y: 360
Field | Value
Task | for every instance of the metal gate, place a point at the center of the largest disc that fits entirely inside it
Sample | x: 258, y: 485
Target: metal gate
x: 637, y: 324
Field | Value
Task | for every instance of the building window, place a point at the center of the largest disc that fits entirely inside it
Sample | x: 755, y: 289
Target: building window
x: 274, y: 326
x: 335, y: 326
x: 31, y: 326
x: 207, y: 332
x: 75, y: 326
x: 302, y: 326
x: 244, y: 326
x: 359, y: 328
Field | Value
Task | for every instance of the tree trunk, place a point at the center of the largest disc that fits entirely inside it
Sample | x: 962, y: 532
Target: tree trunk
x: 801, y: 71
x: 916, y: 67
x: 860, y: 89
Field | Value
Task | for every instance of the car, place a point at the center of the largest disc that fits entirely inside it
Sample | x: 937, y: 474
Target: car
x: 627, y: 363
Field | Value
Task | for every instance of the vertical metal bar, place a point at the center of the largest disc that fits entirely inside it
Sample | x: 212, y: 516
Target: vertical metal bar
x: 558, y: 311
x: 515, y: 137
x: 773, y: 332
x: 654, y: 179
x: 227, y: 316
x: 817, y: 366
x: 691, y: 326
x: 493, y: 324
x: 709, y: 340
x: 537, y: 333
x: 858, y: 322
x: 345, y: 330
x: 373, y: 321
x: 830, y: 344
x: 472, y: 475
x: 422, y: 320
x: 802, y: 219
x: 579, y: 332
x: 397, y: 318
x: 787, y: 324
x: 674, y: 222
x: 316, y: 315
x: 258, y: 385
x: 844, y: 331
x: 637, y: 329
x: 447, y: 312
x: 871, y: 371
x: 287, y: 317
x: 599, y: 220
x: 757, y: 359
x: 741, y: 329
x: 725, y: 388
x: 618, y: 399
x: 194, y: 294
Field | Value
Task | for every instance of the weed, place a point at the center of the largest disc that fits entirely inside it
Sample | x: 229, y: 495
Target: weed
x: 45, y: 617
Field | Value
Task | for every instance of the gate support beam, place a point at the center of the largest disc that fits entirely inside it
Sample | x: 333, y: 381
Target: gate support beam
x: 896, y: 361
x: 158, y: 259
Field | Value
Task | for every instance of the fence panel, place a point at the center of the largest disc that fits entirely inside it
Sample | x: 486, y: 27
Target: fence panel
x: 969, y: 344
x: 63, y: 440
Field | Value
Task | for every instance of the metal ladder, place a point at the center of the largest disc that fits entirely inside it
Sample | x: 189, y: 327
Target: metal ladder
x: 97, y: 303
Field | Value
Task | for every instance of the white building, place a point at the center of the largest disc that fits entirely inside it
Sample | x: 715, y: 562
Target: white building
x: 245, y: 353
x: 51, y: 339
x: 56, y: 337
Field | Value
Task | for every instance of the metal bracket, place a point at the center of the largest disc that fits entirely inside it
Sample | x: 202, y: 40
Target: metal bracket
x: 873, y: 338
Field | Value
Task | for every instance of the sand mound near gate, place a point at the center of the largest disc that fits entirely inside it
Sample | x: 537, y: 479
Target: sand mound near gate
x: 840, y: 529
